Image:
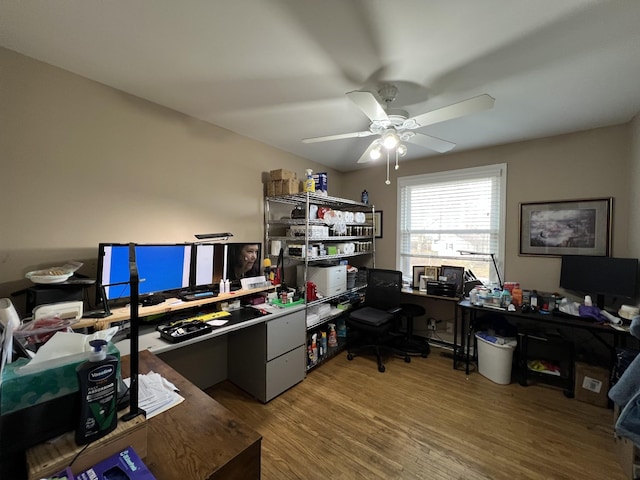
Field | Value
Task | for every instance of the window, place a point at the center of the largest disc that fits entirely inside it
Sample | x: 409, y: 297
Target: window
x: 442, y: 214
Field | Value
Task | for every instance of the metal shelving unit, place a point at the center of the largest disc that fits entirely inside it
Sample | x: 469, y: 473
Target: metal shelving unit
x: 277, y: 222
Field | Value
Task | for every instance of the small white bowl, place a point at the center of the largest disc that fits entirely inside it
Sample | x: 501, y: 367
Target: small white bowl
x: 44, y: 276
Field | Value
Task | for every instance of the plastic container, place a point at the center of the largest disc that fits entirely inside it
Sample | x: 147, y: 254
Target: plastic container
x: 495, y: 360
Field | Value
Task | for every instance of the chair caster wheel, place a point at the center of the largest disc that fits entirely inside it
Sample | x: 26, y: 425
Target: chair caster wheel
x: 407, y: 359
x: 349, y: 356
x: 424, y: 355
x: 381, y: 368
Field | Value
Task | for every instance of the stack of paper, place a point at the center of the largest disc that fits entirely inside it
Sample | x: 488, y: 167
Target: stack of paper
x: 156, y: 394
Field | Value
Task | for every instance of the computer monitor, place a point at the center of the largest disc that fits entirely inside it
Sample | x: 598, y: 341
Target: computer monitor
x: 207, y: 262
x: 600, y: 276
x: 161, y: 268
x: 243, y: 260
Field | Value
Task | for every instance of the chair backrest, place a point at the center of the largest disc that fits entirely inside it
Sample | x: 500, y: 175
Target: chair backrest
x: 383, y: 288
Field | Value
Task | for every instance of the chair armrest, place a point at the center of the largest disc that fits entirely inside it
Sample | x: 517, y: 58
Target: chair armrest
x: 394, y: 310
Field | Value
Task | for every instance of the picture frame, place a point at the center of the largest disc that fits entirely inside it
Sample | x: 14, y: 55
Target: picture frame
x: 566, y: 227
x: 417, y: 271
x: 432, y: 272
x: 454, y: 275
x: 377, y: 224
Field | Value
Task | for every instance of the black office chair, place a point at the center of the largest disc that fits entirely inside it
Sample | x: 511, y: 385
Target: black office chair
x: 370, y: 326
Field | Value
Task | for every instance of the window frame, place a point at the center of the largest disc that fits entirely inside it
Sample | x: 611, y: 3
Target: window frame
x: 494, y: 171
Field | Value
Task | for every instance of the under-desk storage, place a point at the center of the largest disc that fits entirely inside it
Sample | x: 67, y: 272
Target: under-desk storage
x: 545, y: 356
x: 268, y: 358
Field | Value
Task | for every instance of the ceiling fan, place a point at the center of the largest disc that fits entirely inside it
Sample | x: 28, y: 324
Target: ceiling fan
x: 395, y: 126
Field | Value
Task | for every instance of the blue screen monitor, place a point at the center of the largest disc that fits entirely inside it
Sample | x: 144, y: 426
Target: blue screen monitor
x: 161, y: 268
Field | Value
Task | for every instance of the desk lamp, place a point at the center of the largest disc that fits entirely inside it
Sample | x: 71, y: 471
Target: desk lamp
x: 493, y: 259
x: 214, y: 237
x: 134, y: 279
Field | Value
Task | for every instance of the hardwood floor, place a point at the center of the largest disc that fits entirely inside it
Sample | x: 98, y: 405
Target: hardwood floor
x: 424, y: 420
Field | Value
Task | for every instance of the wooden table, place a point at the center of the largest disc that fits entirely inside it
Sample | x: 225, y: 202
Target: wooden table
x: 199, y: 438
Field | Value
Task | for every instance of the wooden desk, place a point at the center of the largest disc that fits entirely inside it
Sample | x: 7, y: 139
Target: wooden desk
x: 199, y: 438
x: 451, y: 303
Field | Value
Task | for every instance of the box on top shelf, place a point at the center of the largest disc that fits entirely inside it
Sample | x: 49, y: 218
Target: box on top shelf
x: 320, y: 180
x: 282, y: 174
x: 283, y: 187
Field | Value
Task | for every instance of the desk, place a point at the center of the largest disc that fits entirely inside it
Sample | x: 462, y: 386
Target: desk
x: 199, y: 438
x: 461, y: 351
x: 451, y: 302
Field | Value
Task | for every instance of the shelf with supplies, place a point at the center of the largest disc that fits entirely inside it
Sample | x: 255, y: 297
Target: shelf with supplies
x: 314, y: 237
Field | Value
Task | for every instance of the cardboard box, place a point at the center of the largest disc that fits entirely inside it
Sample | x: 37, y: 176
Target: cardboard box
x: 282, y: 174
x: 283, y: 187
x: 591, y: 384
x: 320, y: 180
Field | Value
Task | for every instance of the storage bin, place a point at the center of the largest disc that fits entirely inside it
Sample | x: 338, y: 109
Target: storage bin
x: 495, y: 360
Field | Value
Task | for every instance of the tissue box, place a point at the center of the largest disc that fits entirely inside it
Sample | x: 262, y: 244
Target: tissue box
x: 38, y: 405
x: 125, y: 464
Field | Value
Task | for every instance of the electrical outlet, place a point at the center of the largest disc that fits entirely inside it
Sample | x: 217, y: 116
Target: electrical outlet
x: 432, y: 324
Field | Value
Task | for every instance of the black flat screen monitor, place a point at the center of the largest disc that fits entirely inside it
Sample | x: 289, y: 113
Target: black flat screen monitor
x: 161, y: 268
x: 600, y: 276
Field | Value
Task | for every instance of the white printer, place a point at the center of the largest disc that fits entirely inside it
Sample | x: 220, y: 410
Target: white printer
x: 329, y: 279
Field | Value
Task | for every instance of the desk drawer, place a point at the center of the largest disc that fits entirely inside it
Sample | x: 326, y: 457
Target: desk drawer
x: 285, y: 333
x: 284, y: 372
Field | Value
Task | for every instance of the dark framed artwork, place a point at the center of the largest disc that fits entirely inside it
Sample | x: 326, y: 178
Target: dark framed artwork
x: 453, y: 275
x: 569, y: 227
x: 417, y: 271
x: 377, y: 223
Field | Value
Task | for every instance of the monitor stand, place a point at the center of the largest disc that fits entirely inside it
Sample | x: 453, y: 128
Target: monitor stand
x: 105, y: 312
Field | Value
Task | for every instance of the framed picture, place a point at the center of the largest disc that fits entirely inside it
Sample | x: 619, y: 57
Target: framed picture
x: 377, y: 224
x: 570, y: 227
x: 432, y: 273
x: 417, y: 271
x: 454, y: 275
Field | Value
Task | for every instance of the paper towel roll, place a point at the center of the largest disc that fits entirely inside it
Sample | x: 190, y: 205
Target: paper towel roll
x: 276, y: 245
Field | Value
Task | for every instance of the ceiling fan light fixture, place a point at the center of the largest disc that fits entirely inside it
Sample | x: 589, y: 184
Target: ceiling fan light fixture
x: 401, y: 150
x: 375, y: 153
x: 390, y: 139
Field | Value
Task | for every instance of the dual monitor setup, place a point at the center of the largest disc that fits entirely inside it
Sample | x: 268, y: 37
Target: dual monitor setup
x: 186, y: 269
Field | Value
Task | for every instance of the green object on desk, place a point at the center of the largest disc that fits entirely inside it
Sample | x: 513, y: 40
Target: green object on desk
x: 278, y: 303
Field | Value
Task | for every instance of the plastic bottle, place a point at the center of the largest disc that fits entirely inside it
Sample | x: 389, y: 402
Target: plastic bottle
x: 333, y: 336
x: 227, y: 286
x: 221, y: 288
x: 505, y: 298
x: 473, y: 296
x: 309, y: 183
x: 97, y: 379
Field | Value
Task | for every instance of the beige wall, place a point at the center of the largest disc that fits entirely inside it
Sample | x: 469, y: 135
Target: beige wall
x: 589, y: 164
x: 83, y: 163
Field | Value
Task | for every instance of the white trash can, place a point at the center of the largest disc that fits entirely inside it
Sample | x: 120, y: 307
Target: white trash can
x: 495, y: 360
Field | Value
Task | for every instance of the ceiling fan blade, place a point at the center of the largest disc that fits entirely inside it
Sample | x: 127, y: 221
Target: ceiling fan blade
x: 465, y: 107
x: 432, y: 143
x: 340, y: 136
x: 369, y: 105
x: 366, y: 157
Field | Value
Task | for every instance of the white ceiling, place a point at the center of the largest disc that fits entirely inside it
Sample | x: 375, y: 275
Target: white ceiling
x: 278, y: 70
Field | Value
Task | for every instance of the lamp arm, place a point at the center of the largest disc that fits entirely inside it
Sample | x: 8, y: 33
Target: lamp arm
x: 495, y: 265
